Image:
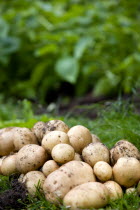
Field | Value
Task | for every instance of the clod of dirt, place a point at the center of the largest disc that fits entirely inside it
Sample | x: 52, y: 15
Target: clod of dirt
x: 10, y: 199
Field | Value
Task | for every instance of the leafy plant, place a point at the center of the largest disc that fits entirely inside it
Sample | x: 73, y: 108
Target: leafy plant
x: 90, y: 45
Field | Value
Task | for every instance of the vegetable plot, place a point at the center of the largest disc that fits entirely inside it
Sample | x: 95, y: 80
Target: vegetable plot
x: 72, y: 165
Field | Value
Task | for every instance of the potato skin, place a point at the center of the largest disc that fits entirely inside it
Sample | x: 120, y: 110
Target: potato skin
x: 58, y: 125
x: 77, y: 157
x: 115, y: 190
x: 32, y: 179
x: 30, y: 157
x: 126, y: 171
x: 103, y: 171
x: 49, y: 167
x: 8, y: 165
x: 69, y: 175
x: 53, y: 138
x: 87, y: 195
x: 123, y: 148
x: 131, y: 190
x: 1, y: 159
x: 95, y: 138
x: 22, y: 137
x: 39, y: 129
x: 79, y: 137
x: 6, y: 141
x: 95, y: 152
x: 63, y: 153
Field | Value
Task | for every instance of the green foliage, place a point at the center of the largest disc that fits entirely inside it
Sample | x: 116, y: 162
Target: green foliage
x: 128, y: 202
x: 93, y: 45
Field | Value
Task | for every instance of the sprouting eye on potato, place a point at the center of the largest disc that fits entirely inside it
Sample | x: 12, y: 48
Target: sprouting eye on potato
x: 70, y: 165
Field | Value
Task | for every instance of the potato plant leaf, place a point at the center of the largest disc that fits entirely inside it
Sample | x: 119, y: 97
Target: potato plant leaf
x: 68, y: 69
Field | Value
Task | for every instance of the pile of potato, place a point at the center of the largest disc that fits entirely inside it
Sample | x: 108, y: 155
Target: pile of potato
x: 71, y: 164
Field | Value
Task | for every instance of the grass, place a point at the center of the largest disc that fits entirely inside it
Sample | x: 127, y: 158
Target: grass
x: 115, y: 122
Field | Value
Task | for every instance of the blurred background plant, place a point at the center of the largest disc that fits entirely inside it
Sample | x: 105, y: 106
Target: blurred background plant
x: 69, y: 47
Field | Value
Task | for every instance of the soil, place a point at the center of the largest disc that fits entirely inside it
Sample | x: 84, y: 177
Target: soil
x: 10, y: 199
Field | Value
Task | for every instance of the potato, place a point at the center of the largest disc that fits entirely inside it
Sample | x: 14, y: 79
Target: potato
x: 32, y: 180
x: 8, y: 165
x: 62, y: 180
x: 49, y: 167
x: 95, y: 138
x: 87, y: 195
x: 22, y: 137
x: 2, y: 130
x: 115, y: 190
x: 126, y: 171
x: 103, y: 171
x: 58, y: 125
x: 6, y: 141
x: 63, y: 153
x: 39, y: 129
x: 95, y: 152
x: 79, y: 137
x: 53, y: 138
x: 131, y: 190
x: 123, y: 148
x: 30, y: 157
x: 20, y: 179
x: 77, y: 157
x: 1, y: 159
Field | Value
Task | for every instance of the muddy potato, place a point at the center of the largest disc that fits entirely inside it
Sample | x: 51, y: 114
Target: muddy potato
x: 79, y: 137
x: 6, y: 141
x: 39, y: 129
x: 62, y: 153
x: 53, y: 138
x: 95, y: 152
x: 58, y: 125
x: 123, y: 148
x: 95, y: 138
x: 126, y: 171
x: 115, y: 190
x: 103, y: 171
x: 30, y: 157
x: 62, y: 180
x: 49, y: 167
x: 22, y: 137
x: 33, y: 179
x: 8, y: 165
x: 87, y: 195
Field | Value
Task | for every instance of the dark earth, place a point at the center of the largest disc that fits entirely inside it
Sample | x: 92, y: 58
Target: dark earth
x: 13, y: 198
